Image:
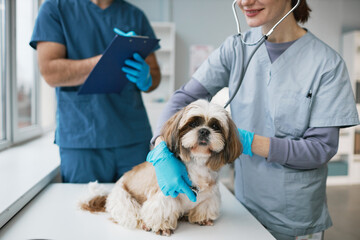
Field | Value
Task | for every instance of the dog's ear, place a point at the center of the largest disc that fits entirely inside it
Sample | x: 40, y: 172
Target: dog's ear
x: 231, y: 151
x: 170, y: 132
x: 233, y: 147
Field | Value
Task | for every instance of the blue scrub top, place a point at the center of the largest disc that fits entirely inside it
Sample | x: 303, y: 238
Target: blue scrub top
x: 97, y: 120
x: 307, y: 86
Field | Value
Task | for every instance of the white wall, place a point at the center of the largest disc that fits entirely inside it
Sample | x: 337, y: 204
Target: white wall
x: 47, y: 106
x: 211, y: 21
x: 331, y: 18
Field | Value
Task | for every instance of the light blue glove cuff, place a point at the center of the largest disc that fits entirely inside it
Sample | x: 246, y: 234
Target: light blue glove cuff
x: 246, y: 139
x: 121, y: 33
x: 159, y: 150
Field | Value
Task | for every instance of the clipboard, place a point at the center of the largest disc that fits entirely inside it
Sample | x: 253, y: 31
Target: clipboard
x: 107, y: 76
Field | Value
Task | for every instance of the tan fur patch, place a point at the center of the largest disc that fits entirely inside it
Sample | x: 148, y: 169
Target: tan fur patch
x: 141, y: 181
x: 201, y: 150
x: 96, y: 204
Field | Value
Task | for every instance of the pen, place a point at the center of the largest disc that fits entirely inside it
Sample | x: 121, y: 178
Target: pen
x: 309, y: 95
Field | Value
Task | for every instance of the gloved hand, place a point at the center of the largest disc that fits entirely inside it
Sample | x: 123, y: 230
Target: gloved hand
x: 246, y: 139
x: 171, y: 173
x: 138, y: 72
x: 121, y: 33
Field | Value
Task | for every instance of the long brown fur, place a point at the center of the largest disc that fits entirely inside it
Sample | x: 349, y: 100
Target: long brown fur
x: 232, y: 150
x: 170, y: 132
x: 96, y: 204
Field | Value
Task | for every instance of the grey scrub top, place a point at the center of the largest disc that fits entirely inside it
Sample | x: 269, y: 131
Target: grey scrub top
x: 307, y: 86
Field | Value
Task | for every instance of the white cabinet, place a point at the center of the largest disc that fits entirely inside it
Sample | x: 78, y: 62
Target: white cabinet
x: 165, y: 31
x: 344, y: 168
x: 155, y: 101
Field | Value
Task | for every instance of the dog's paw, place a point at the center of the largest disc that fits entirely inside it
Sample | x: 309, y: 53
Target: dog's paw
x: 165, y: 232
x: 207, y: 222
x: 144, y: 227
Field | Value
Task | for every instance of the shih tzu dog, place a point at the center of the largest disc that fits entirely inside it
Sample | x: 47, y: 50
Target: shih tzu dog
x: 203, y: 136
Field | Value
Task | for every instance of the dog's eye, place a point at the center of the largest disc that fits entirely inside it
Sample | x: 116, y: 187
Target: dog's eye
x: 215, y: 126
x: 194, y: 123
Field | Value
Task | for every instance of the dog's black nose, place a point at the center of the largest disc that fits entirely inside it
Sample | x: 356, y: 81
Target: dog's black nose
x: 203, y: 132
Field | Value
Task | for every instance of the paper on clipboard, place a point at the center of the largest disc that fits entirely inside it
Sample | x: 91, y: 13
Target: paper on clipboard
x: 107, y: 76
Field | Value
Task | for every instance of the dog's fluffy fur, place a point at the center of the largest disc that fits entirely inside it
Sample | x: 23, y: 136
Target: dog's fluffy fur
x: 205, y: 138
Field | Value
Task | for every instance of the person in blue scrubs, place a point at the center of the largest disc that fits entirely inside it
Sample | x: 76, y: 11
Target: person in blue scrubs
x: 100, y: 136
x: 295, y: 96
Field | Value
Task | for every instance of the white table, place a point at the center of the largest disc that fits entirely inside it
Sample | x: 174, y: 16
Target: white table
x: 24, y: 171
x: 54, y: 214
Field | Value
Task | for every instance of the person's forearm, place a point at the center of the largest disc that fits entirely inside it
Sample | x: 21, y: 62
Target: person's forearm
x: 260, y: 146
x: 66, y: 72
x: 315, y: 149
x: 156, y: 77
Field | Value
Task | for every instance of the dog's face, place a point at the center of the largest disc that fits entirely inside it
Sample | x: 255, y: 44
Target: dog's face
x: 203, y: 130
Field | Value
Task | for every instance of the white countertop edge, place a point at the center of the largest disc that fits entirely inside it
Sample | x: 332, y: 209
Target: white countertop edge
x: 16, y: 206
x: 24, y: 171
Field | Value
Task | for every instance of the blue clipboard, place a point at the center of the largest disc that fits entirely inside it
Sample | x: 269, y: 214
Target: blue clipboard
x: 107, y: 76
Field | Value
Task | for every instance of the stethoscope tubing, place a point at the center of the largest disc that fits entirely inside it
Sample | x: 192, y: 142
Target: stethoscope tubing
x: 257, y: 43
x: 243, y: 70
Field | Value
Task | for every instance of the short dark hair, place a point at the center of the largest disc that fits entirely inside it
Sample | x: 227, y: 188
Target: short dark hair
x: 302, y: 12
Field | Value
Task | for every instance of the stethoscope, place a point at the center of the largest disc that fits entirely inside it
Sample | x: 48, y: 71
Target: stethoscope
x: 257, y: 43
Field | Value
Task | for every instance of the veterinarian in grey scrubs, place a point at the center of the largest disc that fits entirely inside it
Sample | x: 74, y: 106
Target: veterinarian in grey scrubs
x: 295, y: 96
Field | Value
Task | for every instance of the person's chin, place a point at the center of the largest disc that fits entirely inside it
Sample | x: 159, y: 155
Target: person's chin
x: 253, y: 22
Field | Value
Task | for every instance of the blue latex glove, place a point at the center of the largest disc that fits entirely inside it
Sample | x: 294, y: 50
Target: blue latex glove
x: 171, y: 173
x: 138, y: 72
x: 121, y: 33
x: 246, y: 139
